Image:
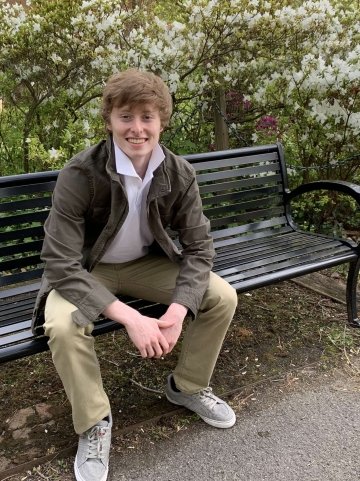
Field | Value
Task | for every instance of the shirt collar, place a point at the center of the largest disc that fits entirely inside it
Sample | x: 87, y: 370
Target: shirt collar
x: 124, y: 166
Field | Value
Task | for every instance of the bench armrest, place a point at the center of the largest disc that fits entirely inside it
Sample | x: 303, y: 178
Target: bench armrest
x: 336, y: 185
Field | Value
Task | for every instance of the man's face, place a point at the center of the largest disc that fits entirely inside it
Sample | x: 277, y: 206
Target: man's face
x: 136, y: 130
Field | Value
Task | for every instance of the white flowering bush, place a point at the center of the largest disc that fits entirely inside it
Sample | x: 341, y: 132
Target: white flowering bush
x: 289, y: 71
x: 54, y: 57
x: 314, y: 94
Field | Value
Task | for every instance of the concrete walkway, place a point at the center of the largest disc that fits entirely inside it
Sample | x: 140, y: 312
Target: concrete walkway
x: 310, y: 433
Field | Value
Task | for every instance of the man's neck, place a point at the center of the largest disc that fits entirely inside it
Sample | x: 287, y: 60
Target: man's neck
x: 140, y: 167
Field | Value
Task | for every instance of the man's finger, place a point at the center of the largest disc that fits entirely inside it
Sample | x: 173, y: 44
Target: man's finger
x: 163, y: 324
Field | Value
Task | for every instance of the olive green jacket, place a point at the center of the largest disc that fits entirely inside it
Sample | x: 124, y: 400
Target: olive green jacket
x: 90, y: 206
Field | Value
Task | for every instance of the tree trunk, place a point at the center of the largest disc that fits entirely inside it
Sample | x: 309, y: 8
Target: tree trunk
x: 221, y: 129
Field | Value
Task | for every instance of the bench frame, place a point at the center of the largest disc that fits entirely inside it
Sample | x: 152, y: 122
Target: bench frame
x: 245, y: 194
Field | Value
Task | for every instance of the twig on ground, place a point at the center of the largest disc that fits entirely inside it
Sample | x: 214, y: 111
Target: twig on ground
x: 264, y: 308
x: 111, y: 362
x: 134, y: 354
x: 146, y: 388
x: 239, y: 371
x: 243, y: 401
x: 357, y: 371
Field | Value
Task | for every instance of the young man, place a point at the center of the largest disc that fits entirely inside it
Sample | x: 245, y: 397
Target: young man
x: 105, y: 235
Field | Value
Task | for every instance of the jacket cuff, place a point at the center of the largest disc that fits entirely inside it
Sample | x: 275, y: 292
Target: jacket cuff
x: 92, y: 306
x: 190, y: 299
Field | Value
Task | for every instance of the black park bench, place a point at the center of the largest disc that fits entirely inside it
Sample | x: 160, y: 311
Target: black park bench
x: 245, y: 194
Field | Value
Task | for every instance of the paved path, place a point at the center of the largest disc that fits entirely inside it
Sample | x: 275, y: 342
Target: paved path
x: 310, y: 434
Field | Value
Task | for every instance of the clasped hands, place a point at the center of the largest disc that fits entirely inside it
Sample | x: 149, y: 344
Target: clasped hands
x: 152, y: 337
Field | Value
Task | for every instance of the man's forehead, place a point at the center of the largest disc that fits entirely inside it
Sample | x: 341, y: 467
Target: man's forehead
x: 142, y: 108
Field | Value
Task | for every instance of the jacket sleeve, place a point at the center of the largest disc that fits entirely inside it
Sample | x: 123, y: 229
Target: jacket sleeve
x: 197, y: 249
x: 64, y: 243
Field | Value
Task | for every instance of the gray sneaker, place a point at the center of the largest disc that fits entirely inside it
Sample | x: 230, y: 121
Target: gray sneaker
x: 92, y: 458
x: 209, y: 407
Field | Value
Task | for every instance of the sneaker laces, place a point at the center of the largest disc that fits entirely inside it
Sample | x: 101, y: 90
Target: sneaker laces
x: 96, y: 446
x: 208, y: 398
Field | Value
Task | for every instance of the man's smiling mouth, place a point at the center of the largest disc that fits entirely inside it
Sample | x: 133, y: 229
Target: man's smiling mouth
x: 136, y: 141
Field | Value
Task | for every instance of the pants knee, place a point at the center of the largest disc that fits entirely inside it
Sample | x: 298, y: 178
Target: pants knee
x: 231, y: 298
x: 59, y: 326
x: 221, y: 295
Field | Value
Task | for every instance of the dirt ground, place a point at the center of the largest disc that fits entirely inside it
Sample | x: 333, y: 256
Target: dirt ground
x: 277, y: 332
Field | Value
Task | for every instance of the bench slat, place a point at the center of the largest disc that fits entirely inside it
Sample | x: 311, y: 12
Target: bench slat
x: 271, y: 249
x: 17, y: 314
x: 244, y: 195
x: 32, y: 246
x: 30, y: 203
x: 252, y: 237
x: 250, y: 218
x: 17, y: 351
x: 19, y: 219
x: 237, y: 160
x: 25, y: 233
x: 240, y: 184
x: 18, y: 263
x: 285, y: 272
x: 20, y: 277
x: 230, y: 174
x: 258, y: 205
x: 292, y: 256
x: 15, y: 309
x: 272, y: 240
x: 310, y: 260
x: 233, y: 231
x: 16, y: 337
x: 11, y: 292
x: 19, y: 326
x: 33, y: 188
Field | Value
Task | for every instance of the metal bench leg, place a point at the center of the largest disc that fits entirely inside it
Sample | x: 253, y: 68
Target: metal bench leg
x: 351, y: 289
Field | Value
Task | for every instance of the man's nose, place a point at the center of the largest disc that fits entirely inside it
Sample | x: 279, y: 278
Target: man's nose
x: 136, y: 125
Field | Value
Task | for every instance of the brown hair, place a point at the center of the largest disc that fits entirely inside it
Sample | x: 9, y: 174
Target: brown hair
x: 134, y: 87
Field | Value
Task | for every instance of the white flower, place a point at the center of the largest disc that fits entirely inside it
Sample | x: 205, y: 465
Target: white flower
x: 53, y: 154
x: 86, y: 126
x: 177, y: 26
x: 191, y: 86
x: 290, y: 171
x: 87, y: 4
x: 56, y: 58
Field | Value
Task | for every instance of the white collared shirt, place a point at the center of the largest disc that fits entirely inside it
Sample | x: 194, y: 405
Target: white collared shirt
x: 134, y: 238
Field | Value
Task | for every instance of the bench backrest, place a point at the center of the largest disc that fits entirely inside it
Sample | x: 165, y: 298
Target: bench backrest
x: 242, y: 192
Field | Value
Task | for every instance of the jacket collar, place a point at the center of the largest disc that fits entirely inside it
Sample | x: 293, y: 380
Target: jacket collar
x: 160, y: 184
x: 110, y: 162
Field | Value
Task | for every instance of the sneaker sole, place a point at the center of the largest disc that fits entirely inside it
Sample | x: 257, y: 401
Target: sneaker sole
x: 212, y: 422
x: 219, y: 424
x: 80, y: 478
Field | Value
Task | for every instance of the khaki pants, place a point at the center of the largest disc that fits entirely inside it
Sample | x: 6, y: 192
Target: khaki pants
x: 151, y: 278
